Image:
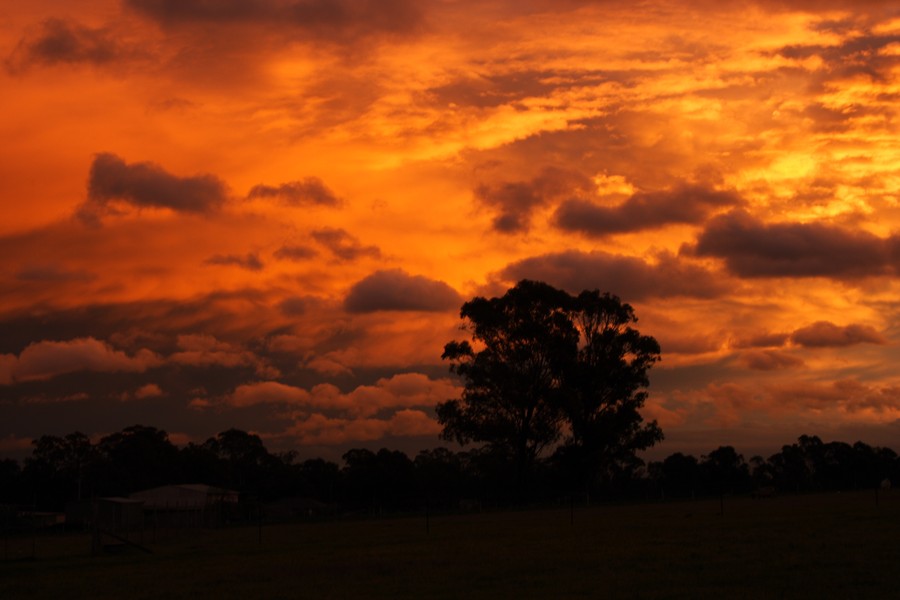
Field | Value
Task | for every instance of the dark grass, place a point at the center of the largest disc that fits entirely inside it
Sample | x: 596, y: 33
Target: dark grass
x: 813, y: 546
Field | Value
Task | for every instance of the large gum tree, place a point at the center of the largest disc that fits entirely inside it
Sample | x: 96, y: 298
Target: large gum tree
x: 545, y: 369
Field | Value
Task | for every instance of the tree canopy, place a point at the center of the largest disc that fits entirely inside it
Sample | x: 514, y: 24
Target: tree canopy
x: 546, y: 368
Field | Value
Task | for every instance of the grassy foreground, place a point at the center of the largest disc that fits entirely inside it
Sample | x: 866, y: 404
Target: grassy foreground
x: 817, y: 546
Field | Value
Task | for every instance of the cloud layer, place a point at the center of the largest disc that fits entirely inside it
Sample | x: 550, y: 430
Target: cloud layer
x: 288, y: 201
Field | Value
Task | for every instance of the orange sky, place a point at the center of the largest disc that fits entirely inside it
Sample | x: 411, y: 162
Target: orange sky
x: 266, y: 214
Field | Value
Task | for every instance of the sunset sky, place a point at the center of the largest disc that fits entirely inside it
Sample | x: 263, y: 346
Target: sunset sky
x: 265, y: 214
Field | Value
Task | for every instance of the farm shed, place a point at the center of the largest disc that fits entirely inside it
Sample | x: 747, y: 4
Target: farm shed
x: 187, y: 505
x: 119, y: 514
x: 185, y: 497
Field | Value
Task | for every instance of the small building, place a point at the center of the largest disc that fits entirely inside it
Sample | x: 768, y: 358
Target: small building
x: 185, y: 497
x: 118, y: 514
x: 188, y: 505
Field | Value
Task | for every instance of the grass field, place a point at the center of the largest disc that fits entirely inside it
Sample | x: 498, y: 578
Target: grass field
x: 812, y: 546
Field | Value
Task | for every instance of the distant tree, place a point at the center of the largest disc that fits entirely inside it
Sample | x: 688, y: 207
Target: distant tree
x: 246, y: 461
x: 837, y: 466
x: 544, y: 367
x: 725, y: 471
x: 319, y: 478
x: 10, y: 481
x: 380, y: 481
x: 680, y: 475
x: 201, y: 464
x: 62, y: 468
x: 761, y: 472
x: 439, y: 475
x: 136, y: 458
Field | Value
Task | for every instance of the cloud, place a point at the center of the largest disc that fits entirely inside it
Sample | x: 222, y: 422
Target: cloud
x: 823, y: 334
x: 150, y: 390
x: 321, y: 20
x: 395, y: 289
x: 51, y: 273
x: 762, y: 340
x: 751, y: 248
x: 516, y: 201
x: 267, y: 392
x: 308, y: 191
x: 66, y: 42
x: 865, y: 54
x: 204, y: 350
x: 847, y: 396
x: 403, y: 390
x: 343, y: 245
x: 295, y: 253
x: 294, y: 306
x: 147, y: 185
x: 12, y: 443
x: 318, y: 429
x: 769, y: 360
x: 645, y: 210
x: 8, y: 364
x: 47, y: 359
x: 250, y: 261
x: 626, y: 276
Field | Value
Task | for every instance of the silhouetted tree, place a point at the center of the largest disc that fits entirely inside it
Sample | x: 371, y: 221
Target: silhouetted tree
x: 439, y: 475
x: 320, y: 478
x: 511, y: 399
x: 247, y: 463
x: 137, y: 458
x: 200, y: 463
x: 381, y: 481
x: 604, y: 390
x: 10, y: 481
x: 680, y: 474
x: 725, y: 471
x: 541, y: 359
x: 761, y: 472
x: 61, y: 468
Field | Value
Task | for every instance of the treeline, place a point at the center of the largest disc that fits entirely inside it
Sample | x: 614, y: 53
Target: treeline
x: 67, y: 468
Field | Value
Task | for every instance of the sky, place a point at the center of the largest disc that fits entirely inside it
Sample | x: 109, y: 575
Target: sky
x: 266, y: 214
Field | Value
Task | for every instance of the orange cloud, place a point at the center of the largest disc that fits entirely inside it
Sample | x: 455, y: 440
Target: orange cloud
x: 321, y: 430
x: 47, y: 359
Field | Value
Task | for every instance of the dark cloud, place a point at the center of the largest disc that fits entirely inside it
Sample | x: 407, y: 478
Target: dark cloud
x: 294, y: 306
x: 61, y: 41
x: 317, y: 19
x: 295, y: 253
x: 248, y: 261
x: 495, y: 89
x: 51, y: 273
x: 395, y: 289
x: 823, y: 334
x: 515, y: 201
x: 310, y: 190
x: 863, y: 55
x: 762, y: 340
x: 343, y: 245
x: 751, y: 248
x: 769, y: 360
x: 147, y: 185
x: 834, y: 120
x: 686, y: 204
x: 231, y: 314
x: 626, y: 276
